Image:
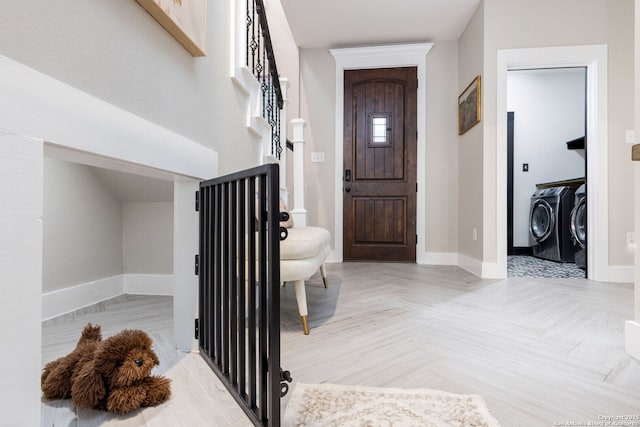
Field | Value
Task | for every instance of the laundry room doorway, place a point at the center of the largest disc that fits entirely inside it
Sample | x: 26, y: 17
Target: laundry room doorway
x: 595, y: 59
x: 546, y: 171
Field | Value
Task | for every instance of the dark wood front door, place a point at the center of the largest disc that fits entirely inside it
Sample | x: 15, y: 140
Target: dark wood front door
x: 379, y: 188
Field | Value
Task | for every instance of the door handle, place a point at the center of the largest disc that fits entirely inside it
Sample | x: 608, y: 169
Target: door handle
x: 347, y: 189
x: 347, y: 175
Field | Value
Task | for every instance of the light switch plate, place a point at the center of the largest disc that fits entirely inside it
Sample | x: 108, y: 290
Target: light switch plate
x: 317, y: 157
x: 631, y: 238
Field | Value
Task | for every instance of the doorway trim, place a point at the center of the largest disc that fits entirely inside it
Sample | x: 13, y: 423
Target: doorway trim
x: 594, y: 58
x: 389, y: 56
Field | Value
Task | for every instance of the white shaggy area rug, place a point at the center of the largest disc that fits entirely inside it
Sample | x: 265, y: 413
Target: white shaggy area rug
x: 337, y: 405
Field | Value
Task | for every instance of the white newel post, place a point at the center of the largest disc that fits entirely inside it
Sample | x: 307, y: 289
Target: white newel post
x: 298, y: 212
x: 284, y: 123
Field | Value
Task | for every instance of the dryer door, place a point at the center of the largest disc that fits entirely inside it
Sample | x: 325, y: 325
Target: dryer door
x: 579, y: 223
x: 542, y: 220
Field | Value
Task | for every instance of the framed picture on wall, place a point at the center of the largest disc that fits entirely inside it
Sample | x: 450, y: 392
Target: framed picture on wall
x: 185, y: 20
x: 469, y: 106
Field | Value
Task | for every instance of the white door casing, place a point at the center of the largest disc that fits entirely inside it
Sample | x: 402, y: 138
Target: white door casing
x: 594, y: 58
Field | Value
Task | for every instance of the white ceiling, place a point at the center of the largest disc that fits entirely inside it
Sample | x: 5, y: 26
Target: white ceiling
x: 135, y: 188
x: 339, y: 23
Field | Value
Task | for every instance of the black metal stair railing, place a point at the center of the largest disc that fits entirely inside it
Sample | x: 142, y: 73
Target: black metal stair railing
x: 261, y: 61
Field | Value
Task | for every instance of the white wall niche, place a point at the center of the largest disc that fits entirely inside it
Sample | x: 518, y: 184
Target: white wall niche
x: 38, y: 114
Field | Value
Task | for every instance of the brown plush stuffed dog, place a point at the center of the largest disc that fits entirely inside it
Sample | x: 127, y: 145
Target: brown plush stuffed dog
x: 111, y: 375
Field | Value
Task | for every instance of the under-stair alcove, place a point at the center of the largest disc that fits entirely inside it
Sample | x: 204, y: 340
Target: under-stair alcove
x: 45, y: 123
x: 105, y: 233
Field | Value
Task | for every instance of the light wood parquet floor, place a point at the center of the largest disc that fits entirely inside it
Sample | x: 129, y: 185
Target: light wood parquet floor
x: 539, y: 351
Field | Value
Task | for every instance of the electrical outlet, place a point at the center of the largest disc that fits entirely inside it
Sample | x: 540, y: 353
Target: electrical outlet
x: 631, y: 238
x: 630, y: 136
x: 317, y: 157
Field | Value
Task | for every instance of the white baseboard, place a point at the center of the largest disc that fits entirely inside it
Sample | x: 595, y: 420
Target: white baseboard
x: 472, y: 265
x: 621, y: 274
x: 490, y: 270
x: 148, y: 284
x: 62, y: 301
x: 632, y: 338
x: 484, y: 270
x: 66, y: 300
x: 333, y: 257
x: 438, y: 258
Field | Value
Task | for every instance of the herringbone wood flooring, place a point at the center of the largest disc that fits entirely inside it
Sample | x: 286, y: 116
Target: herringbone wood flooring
x: 538, y: 350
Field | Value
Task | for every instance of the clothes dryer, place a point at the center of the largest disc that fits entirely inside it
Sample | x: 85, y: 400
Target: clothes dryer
x: 549, y: 223
x: 578, y: 222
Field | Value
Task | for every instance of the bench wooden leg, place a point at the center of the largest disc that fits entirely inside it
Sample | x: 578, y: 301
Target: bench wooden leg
x: 301, y: 298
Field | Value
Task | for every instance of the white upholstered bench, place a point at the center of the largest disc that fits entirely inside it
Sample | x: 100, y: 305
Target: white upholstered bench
x: 302, y: 253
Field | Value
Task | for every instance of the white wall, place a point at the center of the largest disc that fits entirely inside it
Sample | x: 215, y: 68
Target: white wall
x: 441, y: 222
x: 82, y: 227
x: 509, y: 24
x: 147, y: 237
x: 470, y: 147
x: 317, y: 108
x: 549, y: 107
x: 620, y: 38
x: 117, y: 52
x: 317, y: 105
x: 286, y: 53
x: 91, y: 233
x: 20, y: 279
